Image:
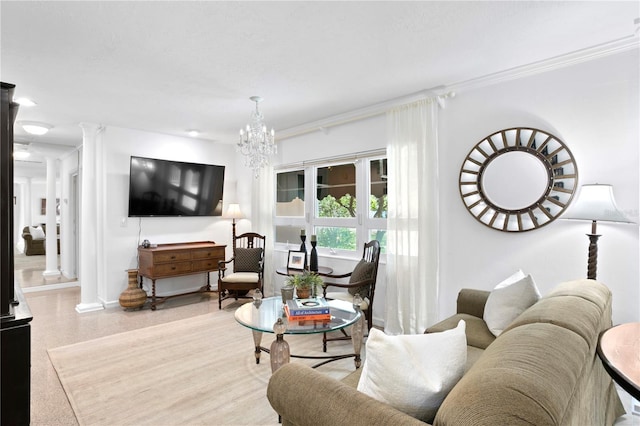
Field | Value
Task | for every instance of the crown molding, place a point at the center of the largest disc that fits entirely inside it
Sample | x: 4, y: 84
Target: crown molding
x: 441, y: 92
x: 551, y: 64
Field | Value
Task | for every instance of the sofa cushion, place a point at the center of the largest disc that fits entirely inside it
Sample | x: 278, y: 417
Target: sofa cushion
x: 247, y: 259
x: 585, y: 302
x: 414, y: 373
x: 37, y: 233
x: 361, y: 272
x: 478, y: 335
x: 473, y: 355
x: 526, y: 377
x: 241, y: 277
x: 508, y: 300
x: 593, y: 291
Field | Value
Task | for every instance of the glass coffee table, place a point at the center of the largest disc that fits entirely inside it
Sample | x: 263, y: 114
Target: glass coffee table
x: 261, y: 317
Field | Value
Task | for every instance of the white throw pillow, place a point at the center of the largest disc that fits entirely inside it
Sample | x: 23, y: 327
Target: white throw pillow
x: 414, y: 373
x: 37, y: 233
x: 508, y: 300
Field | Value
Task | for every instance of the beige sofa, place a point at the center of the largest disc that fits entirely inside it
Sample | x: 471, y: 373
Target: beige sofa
x: 542, y: 370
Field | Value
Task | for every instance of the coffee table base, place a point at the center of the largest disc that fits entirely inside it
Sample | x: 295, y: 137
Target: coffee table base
x: 283, y: 354
x: 327, y: 358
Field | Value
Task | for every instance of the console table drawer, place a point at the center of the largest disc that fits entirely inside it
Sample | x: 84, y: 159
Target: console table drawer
x: 172, y: 268
x: 171, y: 256
x: 205, y: 254
x: 204, y: 265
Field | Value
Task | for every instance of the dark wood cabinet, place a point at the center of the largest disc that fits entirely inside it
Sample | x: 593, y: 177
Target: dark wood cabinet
x: 15, y: 316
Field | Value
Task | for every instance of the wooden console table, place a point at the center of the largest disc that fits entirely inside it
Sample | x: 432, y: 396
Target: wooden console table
x: 178, y: 259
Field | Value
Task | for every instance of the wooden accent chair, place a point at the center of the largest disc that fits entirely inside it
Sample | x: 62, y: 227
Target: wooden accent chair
x: 362, y: 280
x: 248, y: 268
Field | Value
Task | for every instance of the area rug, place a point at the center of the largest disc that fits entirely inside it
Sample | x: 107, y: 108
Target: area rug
x: 196, y: 371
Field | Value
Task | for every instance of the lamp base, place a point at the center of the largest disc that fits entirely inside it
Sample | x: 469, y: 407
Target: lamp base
x: 592, y: 261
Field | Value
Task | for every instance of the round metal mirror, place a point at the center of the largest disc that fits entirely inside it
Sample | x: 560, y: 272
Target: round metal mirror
x: 518, y: 179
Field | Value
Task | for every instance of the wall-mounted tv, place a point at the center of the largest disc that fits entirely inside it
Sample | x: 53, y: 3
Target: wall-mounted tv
x: 173, y: 188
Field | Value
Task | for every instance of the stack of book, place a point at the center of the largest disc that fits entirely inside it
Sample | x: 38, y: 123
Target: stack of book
x: 313, y: 309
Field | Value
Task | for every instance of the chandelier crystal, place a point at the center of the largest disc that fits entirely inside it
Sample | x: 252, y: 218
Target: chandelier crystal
x: 256, y: 143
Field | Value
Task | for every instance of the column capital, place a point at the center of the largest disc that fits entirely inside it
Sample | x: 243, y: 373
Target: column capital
x: 91, y: 129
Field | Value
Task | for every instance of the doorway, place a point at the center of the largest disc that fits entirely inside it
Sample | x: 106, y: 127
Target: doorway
x: 29, y: 190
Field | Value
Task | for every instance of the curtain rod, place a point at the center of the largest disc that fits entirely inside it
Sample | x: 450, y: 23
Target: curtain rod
x: 338, y: 158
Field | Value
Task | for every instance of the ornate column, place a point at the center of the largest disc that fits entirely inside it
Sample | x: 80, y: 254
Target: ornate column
x: 51, y: 243
x: 88, y: 271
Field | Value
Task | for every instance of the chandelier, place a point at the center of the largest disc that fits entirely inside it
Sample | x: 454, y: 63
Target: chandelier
x: 256, y: 143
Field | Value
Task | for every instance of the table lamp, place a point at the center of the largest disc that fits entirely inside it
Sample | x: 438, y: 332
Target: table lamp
x: 595, y: 203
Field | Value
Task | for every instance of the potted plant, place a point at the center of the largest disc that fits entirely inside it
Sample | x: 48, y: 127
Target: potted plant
x: 306, y: 284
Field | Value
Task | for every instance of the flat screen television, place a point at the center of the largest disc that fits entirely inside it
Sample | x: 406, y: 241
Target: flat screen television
x: 173, y: 188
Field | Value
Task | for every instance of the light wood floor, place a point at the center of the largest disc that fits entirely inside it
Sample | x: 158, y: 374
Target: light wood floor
x: 56, y: 323
x: 28, y: 271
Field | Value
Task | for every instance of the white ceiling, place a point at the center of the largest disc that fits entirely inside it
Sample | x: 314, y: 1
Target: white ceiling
x: 170, y: 66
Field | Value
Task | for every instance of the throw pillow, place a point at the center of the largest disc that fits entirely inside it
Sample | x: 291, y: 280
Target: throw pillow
x: 508, y: 300
x: 361, y: 272
x: 247, y: 259
x: 37, y: 233
x: 414, y: 373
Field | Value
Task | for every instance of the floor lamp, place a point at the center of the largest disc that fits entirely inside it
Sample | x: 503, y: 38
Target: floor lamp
x: 233, y: 213
x: 595, y: 203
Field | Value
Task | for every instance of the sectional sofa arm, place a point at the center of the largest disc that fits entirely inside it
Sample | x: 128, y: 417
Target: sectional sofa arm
x: 304, y: 396
x: 471, y: 301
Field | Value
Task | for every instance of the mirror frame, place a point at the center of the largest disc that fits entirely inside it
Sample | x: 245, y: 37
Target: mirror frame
x: 561, y: 174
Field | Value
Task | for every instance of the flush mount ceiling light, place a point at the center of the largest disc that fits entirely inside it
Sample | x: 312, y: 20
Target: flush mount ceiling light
x: 21, y: 155
x: 21, y: 151
x: 25, y: 102
x: 256, y: 143
x: 193, y: 132
x: 35, y: 128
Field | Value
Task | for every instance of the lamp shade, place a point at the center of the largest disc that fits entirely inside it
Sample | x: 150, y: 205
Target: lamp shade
x: 234, y: 212
x: 596, y: 203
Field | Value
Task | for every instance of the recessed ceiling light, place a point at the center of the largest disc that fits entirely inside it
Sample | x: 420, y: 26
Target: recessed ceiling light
x: 193, y: 133
x: 35, y: 128
x: 25, y: 102
x: 21, y: 155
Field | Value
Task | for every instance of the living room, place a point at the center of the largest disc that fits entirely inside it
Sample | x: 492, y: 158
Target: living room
x: 605, y: 150
x: 588, y: 98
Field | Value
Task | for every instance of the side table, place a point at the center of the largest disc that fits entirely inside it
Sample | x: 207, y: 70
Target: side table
x: 619, y: 349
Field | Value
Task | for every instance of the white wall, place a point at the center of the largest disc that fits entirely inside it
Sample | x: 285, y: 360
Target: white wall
x: 593, y: 108
x: 123, y: 234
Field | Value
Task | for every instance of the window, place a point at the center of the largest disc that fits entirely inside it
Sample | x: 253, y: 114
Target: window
x: 344, y: 203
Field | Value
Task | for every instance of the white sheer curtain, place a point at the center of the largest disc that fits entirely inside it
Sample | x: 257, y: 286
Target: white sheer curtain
x: 262, y: 205
x: 412, y: 237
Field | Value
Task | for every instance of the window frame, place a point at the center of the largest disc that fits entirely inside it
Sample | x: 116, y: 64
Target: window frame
x: 362, y: 223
